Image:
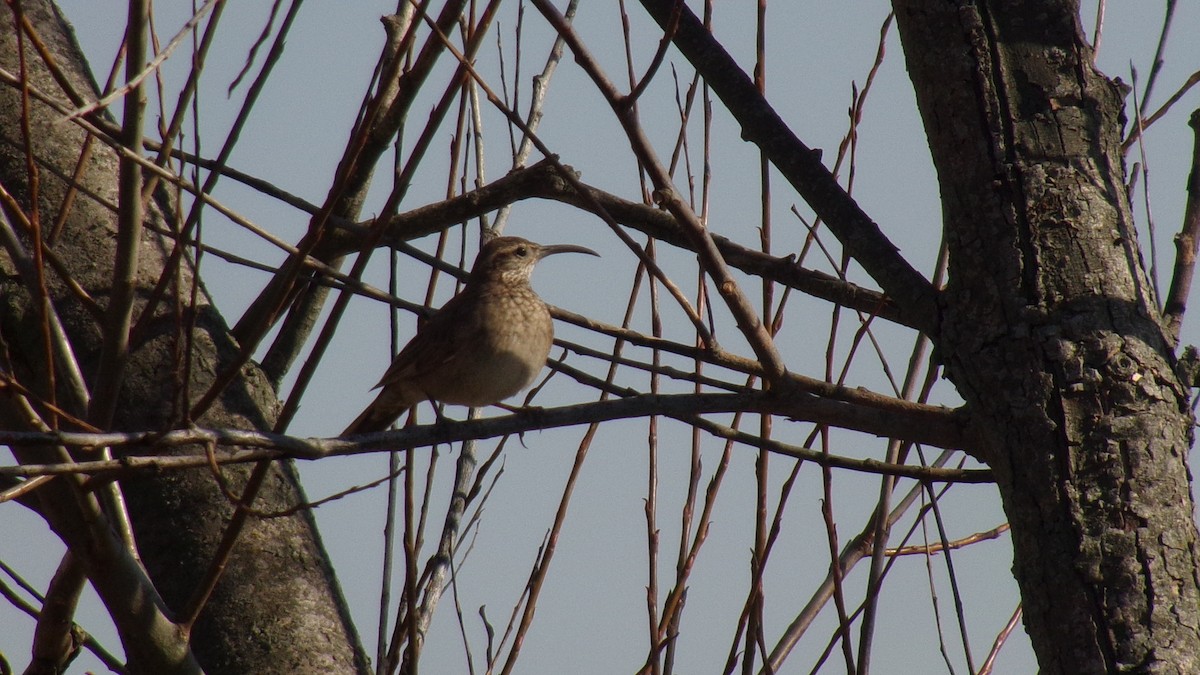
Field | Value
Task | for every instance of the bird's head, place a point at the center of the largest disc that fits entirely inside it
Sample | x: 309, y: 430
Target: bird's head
x: 511, y: 259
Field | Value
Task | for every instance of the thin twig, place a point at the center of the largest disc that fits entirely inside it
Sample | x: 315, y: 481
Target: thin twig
x: 1143, y: 168
x: 955, y: 591
x: 710, y: 259
x: 134, y: 80
x: 854, y: 551
x: 1098, y: 30
x: 537, y: 100
x: 931, y: 549
x: 1001, y: 639
x: 403, y: 181
x: 800, y: 165
x: 1159, y: 59
x: 569, y: 177
x: 1136, y: 132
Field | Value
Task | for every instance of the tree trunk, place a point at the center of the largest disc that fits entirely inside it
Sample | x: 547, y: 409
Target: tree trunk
x: 1053, y: 335
x: 277, y: 608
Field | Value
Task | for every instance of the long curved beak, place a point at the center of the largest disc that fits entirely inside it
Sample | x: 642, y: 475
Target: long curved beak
x: 551, y: 249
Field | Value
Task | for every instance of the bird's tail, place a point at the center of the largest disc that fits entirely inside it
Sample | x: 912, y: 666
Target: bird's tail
x: 380, y: 415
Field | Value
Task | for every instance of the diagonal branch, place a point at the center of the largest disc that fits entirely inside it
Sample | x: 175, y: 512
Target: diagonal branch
x: 151, y: 641
x: 665, y: 195
x: 1186, y: 243
x: 381, y: 117
x: 55, y: 640
x: 136, y: 79
x: 799, y: 164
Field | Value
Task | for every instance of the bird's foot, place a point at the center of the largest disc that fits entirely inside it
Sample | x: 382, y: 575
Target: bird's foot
x: 532, y: 411
x: 439, y: 413
x: 522, y: 409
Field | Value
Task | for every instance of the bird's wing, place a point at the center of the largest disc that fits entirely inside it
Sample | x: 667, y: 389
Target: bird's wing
x: 437, y: 342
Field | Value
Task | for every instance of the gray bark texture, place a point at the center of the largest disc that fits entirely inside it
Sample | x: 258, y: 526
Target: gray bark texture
x: 277, y: 608
x: 1052, y: 333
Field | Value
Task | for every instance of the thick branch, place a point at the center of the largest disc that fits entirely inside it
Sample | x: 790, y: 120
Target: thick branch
x: 930, y: 425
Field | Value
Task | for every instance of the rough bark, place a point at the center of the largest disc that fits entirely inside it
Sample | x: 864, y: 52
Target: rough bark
x: 1052, y: 333
x: 278, y: 608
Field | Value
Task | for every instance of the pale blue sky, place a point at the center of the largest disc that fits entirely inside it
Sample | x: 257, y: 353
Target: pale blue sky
x: 591, y: 617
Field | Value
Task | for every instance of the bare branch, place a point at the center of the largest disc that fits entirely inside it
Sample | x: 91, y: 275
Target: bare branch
x: 135, y: 80
x: 800, y: 165
x: 54, y: 644
x: 927, y: 424
x: 130, y: 216
x: 748, y: 322
x: 1186, y: 243
x: 543, y: 180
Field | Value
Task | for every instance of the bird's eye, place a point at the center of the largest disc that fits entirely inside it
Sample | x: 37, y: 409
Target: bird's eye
x: 521, y: 251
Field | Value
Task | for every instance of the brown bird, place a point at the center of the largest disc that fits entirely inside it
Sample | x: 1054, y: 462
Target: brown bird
x: 487, y: 343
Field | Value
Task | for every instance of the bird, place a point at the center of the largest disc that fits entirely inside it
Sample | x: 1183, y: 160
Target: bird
x: 486, y: 344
